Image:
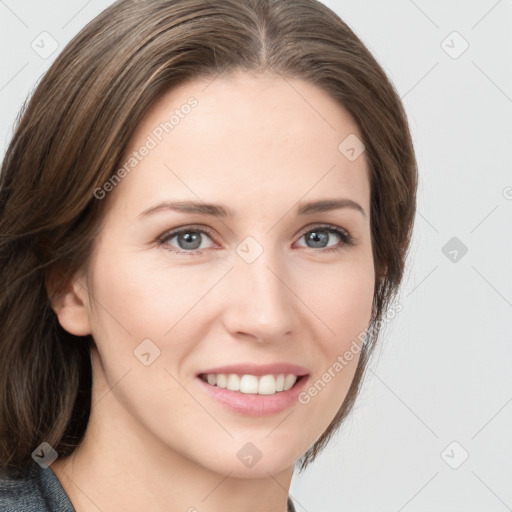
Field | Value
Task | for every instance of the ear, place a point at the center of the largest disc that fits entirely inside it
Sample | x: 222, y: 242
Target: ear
x: 69, y: 301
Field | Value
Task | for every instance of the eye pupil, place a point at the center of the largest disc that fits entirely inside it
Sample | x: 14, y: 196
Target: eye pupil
x: 189, y: 238
x: 318, y: 237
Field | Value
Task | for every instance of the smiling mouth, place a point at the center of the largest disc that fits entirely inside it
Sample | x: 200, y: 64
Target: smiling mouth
x: 270, y: 384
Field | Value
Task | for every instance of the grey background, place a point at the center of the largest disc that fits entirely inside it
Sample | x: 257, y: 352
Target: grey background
x: 443, y: 370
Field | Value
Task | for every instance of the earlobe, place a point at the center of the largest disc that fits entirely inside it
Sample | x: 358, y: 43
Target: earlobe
x: 70, y: 304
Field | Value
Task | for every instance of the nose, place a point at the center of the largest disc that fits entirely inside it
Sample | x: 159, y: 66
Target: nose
x: 259, y: 300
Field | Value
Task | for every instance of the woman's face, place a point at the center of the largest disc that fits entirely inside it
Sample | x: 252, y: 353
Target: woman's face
x: 253, y: 283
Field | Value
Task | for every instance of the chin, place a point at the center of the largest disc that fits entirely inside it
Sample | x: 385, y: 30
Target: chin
x: 260, y: 469
x: 248, y: 459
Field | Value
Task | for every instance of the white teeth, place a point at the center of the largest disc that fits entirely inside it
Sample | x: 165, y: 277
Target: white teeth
x: 280, y: 382
x: 221, y: 380
x: 233, y: 382
x: 248, y: 384
x: 267, y: 385
x: 264, y: 385
x: 289, y: 381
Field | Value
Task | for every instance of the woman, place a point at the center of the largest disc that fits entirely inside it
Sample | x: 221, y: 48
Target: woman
x: 205, y: 213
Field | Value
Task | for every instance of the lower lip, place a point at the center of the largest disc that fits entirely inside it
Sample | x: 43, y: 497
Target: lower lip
x: 256, y: 405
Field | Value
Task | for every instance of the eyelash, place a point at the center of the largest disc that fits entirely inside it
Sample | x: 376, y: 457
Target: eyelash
x: 347, y: 240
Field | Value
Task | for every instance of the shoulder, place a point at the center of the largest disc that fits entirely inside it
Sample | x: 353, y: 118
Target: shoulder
x: 20, y: 494
x: 38, y: 490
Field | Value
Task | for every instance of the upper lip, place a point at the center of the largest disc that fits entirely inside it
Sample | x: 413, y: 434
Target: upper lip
x: 258, y: 369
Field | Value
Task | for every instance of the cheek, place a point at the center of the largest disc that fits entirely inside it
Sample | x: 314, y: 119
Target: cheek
x: 341, y: 298
x: 139, y: 298
x: 147, y: 291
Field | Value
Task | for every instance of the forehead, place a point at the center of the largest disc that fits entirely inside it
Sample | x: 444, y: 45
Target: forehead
x: 241, y: 138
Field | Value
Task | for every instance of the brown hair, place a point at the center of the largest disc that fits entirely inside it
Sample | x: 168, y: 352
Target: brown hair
x: 69, y: 140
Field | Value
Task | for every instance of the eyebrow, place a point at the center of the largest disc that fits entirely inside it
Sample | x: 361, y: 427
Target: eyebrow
x: 220, y: 211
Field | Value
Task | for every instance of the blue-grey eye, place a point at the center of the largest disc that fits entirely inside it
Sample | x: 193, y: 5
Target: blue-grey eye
x: 187, y: 240
x: 318, y: 237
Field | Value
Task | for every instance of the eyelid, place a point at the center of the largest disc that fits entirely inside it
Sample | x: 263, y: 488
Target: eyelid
x: 327, y: 226
x: 183, y: 229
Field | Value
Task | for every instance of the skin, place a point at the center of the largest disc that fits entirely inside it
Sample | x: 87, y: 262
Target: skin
x: 156, y: 441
